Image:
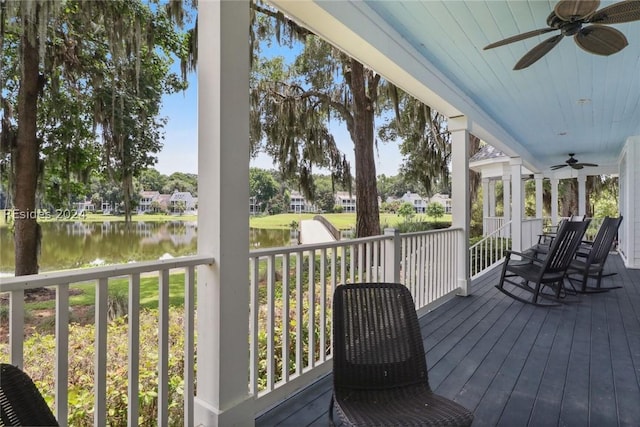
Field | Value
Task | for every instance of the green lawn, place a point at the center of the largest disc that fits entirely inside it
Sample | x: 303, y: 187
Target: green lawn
x: 119, y: 288
x: 342, y: 221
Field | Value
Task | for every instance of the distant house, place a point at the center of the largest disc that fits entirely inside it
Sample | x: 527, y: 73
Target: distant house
x: 164, y: 201
x: 299, y: 204
x: 146, y: 200
x: 419, y: 204
x: 254, y: 209
x: 86, y: 206
x: 346, y: 200
x: 179, y: 197
x: 444, y: 200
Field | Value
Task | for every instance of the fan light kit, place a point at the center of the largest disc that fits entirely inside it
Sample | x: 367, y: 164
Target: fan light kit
x: 587, y: 25
x: 573, y: 163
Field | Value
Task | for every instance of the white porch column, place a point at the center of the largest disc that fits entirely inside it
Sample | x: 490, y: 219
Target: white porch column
x: 492, y: 198
x: 223, y: 397
x: 517, y: 203
x: 629, y: 170
x: 554, y: 201
x: 582, y: 194
x: 485, y: 205
x: 539, y: 192
x: 506, y: 196
x: 460, y: 198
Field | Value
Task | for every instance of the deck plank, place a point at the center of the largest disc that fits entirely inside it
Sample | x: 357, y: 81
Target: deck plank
x: 518, y: 365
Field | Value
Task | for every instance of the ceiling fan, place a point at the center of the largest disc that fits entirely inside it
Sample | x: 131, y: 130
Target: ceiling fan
x: 573, y: 163
x: 571, y: 18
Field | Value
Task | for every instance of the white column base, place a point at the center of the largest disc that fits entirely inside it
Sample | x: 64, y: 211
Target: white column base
x: 208, y: 416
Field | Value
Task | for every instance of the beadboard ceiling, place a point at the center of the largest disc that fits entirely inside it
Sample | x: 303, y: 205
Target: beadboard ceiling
x: 570, y: 101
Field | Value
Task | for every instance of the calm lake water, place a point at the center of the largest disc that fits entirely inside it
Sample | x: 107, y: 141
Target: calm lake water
x: 72, y: 245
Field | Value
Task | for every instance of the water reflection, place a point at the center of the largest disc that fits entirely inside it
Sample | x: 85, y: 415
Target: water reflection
x: 72, y: 245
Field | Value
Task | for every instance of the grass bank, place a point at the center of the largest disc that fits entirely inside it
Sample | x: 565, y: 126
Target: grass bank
x: 342, y: 221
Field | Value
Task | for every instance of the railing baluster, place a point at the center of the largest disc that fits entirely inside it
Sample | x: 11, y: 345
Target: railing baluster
x: 311, y: 345
x: 62, y: 353
x: 134, y: 345
x: 299, y: 302
x: 323, y: 305
x: 254, y: 324
x: 163, y: 348
x: 286, y: 336
x: 271, y: 362
x: 100, y: 364
x: 189, y: 344
x: 16, y: 327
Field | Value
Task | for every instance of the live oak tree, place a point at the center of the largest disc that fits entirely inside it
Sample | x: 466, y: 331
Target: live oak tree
x: 110, y: 54
x: 293, y: 104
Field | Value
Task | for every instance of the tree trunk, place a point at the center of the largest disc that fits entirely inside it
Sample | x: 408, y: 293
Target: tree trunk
x: 368, y: 214
x: 26, y: 226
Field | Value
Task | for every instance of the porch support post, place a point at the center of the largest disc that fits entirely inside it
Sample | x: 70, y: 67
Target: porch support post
x: 223, y: 397
x: 460, y: 198
x: 517, y: 203
x: 492, y: 198
x: 485, y: 205
x: 539, y: 192
x: 554, y: 201
x: 506, y: 195
x: 629, y: 170
x: 582, y: 194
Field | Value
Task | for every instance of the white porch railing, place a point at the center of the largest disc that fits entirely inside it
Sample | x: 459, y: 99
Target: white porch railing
x: 292, y: 287
x: 492, y: 223
x: 100, y: 277
x: 429, y: 263
x: 290, y: 321
x: 489, y: 251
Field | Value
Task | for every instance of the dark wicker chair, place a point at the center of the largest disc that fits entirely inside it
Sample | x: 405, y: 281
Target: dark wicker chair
x: 592, y: 257
x: 548, y: 271
x: 21, y: 404
x: 379, y: 366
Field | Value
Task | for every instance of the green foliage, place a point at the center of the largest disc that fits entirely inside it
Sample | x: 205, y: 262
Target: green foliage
x: 152, y: 180
x: 39, y: 351
x: 606, y: 206
x: 435, y: 210
x: 425, y: 141
x: 263, y: 187
x: 338, y: 209
x: 407, y: 211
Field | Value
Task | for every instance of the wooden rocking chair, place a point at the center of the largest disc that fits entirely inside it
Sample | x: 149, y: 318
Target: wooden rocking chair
x: 536, y: 273
x: 592, y: 257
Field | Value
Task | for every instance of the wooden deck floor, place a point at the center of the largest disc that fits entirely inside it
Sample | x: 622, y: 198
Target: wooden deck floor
x: 518, y: 365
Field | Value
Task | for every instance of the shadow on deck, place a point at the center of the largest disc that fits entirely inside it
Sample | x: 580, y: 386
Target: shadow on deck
x: 518, y: 365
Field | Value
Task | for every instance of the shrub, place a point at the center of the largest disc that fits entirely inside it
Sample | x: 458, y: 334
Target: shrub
x: 39, y: 359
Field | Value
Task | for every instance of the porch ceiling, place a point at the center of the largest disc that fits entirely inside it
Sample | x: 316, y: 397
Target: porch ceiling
x: 433, y: 49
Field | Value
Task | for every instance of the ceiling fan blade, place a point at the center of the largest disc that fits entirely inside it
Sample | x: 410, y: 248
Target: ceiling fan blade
x: 574, y: 10
x: 556, y: 167
x: 519, y: 37
x: 617, y: 13
x: 538, y: 52
x: 588, y: 164
x: 600, y: 40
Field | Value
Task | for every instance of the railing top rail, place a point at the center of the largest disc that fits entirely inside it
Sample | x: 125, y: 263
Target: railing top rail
x: 86, y: 274
x: 328, y: 245
x: 421, y: 233
x: 493, y: 234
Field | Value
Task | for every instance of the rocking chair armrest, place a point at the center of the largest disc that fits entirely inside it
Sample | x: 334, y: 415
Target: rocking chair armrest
x: 529, y: 257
